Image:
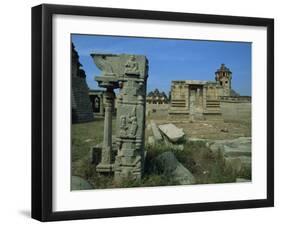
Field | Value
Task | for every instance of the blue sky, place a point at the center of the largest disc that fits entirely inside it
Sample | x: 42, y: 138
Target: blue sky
x: 171, y: 59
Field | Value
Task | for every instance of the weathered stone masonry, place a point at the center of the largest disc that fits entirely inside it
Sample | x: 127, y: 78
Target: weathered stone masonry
x: 200, y: 99
x: 80, y: 102
x: 129, y: 74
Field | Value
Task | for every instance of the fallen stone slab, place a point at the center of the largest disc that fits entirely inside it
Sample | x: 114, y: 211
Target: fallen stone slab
x: 156, y: 133
x: 238, y: 164
x: 169, y: 165
x: 173, y: 133
x: 240, y: 141
x: 240, y: 150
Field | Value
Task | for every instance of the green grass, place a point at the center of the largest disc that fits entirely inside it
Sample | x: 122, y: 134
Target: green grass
x: 206, y: 166
x: 84, y: 137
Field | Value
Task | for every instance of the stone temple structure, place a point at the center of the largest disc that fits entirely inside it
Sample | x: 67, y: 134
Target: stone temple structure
x: 96, y: 98
x: 97, y: 101
x: 128, y: 73
x: 201, y: 99
x: 80, y: 102
x: 157, y: 97
x: 223, y: 78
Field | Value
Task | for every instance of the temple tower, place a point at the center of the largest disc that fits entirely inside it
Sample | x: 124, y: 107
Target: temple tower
x: 223, y: 78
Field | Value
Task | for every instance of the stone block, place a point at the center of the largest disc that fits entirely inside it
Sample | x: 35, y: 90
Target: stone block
x: 173, y: 133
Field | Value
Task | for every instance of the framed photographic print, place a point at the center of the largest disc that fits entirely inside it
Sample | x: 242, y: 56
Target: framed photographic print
x: 145, y: 112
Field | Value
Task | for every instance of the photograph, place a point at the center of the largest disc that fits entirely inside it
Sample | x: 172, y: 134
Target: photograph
x: 149, y: 111
x: 140, y: 112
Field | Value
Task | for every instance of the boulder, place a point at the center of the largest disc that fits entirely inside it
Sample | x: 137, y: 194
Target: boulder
x: 173, y: 146
x: 78, y: 183
x: 170, y: 166
x: 237, y: 152
x: 237, y: 147
x: 173, y: 133
x: 239, y: 163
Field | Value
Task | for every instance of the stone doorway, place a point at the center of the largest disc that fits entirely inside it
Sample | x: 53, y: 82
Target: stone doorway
x: 196, y: 102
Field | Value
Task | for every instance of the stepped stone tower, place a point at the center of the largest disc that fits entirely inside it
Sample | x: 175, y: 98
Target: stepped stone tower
x: 223, y: 78
x: 80, y: 101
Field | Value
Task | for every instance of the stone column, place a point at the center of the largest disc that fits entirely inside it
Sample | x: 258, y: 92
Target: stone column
x: 187, y: 97
x: 109, y: 81
x: 197, y: 97
x: 106, y: 163
x: 101, y: 112
x: 204, y: 98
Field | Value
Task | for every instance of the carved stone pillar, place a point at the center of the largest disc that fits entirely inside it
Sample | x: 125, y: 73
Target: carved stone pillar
x: 130, y: 121
x: 109, y: 80
x: 129, y: 73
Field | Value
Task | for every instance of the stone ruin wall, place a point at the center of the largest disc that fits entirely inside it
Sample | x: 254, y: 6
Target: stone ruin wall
x: 194, y: 97
x: 236, y: 108
x: 154, y: 110
x: 215, y: 107
x: 81, y: 106
x: 80, y: 101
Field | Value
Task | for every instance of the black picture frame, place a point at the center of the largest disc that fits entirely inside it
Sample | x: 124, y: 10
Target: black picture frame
x: 42, y: 111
